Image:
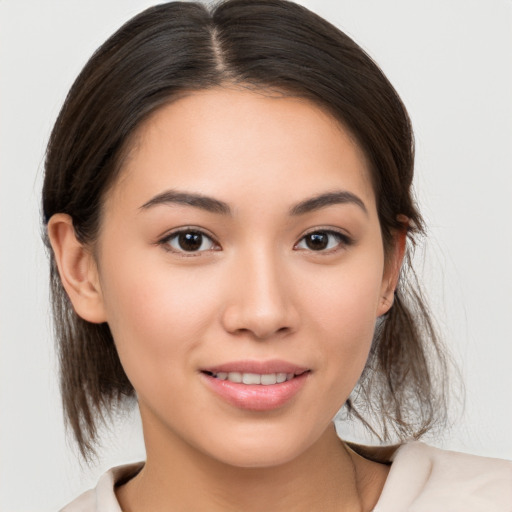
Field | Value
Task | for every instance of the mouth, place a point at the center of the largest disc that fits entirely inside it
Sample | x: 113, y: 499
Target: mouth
x: 256, y: 386
x: 262, y: 379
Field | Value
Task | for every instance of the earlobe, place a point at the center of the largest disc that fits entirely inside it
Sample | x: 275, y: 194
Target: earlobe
x: 392, y: 271
x: 386, y: 302
x: 77, y: 269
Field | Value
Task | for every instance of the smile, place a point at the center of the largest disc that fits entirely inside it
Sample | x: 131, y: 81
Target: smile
x: 256, y: 386
x: 266, y: 379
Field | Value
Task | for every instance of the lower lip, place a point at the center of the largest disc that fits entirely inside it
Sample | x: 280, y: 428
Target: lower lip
x: 256, y: 397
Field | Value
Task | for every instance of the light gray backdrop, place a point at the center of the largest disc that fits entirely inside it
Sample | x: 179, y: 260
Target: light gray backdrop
x: 451, y: 62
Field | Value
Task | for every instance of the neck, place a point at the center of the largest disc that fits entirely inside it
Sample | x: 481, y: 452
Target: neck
x: 178, y: 477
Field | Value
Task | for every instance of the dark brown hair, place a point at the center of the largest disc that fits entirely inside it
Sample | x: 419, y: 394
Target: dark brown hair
x: 268, y: 45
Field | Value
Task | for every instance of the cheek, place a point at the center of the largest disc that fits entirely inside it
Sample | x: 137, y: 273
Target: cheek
x: 343, y: 308
x: 157, y: 316
x: 347, y: 301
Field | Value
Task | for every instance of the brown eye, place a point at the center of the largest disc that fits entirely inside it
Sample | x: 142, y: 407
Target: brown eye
x: 322, y: 241
x: 317, y: 241
x: 190, y: 241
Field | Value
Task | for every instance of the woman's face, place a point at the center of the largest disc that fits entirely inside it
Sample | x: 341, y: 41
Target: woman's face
x: 241, y: 242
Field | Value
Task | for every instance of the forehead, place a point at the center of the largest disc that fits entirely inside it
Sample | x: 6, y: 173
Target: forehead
x: 222, y: 140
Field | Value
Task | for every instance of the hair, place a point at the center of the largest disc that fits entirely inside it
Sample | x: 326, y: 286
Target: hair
x: 264, y: 45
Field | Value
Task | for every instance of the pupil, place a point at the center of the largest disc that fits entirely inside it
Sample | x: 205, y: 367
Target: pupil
x: 317, y: 241
x: 190, y: 241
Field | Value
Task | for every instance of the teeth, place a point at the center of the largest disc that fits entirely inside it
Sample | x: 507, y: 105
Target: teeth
x: 234, y: 377
x: 251, y: 378
x: 269, y: 379
x: 266, y: 379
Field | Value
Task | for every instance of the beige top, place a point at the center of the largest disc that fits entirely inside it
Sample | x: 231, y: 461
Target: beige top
x: 421, y: 479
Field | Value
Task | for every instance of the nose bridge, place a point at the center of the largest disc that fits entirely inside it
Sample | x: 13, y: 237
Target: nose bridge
x: 260, y: 300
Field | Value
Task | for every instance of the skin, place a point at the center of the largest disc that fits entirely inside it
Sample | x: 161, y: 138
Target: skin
x: 254, y: 291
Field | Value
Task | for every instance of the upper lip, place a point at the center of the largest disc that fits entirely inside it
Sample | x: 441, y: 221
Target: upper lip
x: 258, y: 367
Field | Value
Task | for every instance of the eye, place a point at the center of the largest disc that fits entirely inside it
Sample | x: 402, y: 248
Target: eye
x: 322, y: 240
x: 189, y: 241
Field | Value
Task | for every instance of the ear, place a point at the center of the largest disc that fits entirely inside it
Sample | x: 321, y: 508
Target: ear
x: 77, y: 269
x: 392, y: 267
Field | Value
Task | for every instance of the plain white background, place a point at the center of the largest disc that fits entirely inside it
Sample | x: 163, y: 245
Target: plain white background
x: 451, y: 63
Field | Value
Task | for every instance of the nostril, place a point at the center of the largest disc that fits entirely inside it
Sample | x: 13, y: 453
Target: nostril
x: 262, y: 319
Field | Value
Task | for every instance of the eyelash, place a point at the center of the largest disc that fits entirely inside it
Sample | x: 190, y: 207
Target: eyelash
x: 342, y: 240
x: 166, y: 242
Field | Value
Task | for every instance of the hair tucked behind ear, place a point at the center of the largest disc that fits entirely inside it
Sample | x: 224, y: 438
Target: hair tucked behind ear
x: 270, y: 45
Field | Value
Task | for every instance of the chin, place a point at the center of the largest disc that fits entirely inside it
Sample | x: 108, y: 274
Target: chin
x: 259, y: 459
x: 261, y: 450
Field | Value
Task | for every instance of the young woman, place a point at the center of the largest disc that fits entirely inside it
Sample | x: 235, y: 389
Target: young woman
x: 228, y: 205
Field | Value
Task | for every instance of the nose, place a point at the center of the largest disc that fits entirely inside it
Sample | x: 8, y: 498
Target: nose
x: 261, y: 299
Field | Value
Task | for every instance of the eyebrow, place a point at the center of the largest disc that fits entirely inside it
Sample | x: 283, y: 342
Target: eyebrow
x: 196, y: 200
x: 212, y: 205
x: 327, y: 199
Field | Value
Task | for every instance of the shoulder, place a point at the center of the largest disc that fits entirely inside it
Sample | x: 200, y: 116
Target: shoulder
x: 103, y: 498
x: 425, y: 479
x: 86, y: 502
